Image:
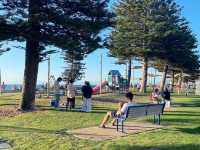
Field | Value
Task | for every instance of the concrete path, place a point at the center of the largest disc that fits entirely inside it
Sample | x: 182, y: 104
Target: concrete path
x: 4, y: 145
x: 101, y: 134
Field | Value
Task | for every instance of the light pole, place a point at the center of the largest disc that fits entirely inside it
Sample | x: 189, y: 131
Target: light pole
x: 48, y: 81
x: 133, y: 78
x: 0, y: 83
x: 134, y: 69
x: 126, y: 77
x: 154, y: 82
x: 101, y: 66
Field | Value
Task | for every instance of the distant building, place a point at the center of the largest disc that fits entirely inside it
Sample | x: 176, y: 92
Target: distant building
x: 114, y: 78
x: 197, y: 92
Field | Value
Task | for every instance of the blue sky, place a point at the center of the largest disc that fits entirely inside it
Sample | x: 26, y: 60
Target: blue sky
x: 12, y: 62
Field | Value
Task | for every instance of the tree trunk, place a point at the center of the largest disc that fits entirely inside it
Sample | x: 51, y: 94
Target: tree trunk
x: 31, y: 57
x: 129, y: 72
x: 162, y: 85
x: 180, y: 83
x: 172, y: 89
x: 143, y: 88
x: 30, y: 76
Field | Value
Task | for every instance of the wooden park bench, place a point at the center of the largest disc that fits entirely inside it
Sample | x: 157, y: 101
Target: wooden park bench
x: 155, y: 110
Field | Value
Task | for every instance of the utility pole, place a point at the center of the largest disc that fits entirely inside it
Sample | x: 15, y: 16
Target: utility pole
x: 154, y: 82
x: 48, y: 81
x: 133, y: 78
x: 101, y: 66
x: 0, y: 83
x: 126, y: 76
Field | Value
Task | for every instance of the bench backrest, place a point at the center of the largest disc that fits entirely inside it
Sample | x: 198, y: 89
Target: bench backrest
x: 136, y: 111
x: 143, y: 110
x: 154, y: 109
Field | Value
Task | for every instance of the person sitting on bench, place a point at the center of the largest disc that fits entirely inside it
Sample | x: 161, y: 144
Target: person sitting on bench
x: 122, y: 110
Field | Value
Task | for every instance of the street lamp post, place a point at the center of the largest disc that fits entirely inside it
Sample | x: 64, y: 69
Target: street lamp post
x: 154, y: 82
x: 0, y: 83
x: 126, y: 76
x: 48, y: 81
x: 101, y: 66
x: 133, y: 78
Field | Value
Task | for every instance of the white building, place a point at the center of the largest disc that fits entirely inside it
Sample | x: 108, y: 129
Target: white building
x: 197, y: 92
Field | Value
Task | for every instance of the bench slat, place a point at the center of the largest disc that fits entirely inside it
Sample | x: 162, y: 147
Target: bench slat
x: 136, y: 112
x: 143, y: 110
x: 154, y: 109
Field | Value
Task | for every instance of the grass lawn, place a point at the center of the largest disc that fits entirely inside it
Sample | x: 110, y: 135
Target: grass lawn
x: 46, y: 129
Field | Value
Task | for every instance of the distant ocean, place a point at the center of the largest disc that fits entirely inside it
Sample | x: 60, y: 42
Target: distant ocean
x: 15, y: 87
x: 11, y: 87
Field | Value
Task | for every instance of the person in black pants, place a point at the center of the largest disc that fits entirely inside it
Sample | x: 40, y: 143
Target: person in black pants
x: 167, y: 98
x: 87, y: 95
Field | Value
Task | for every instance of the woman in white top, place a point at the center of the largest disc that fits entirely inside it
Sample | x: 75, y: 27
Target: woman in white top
x: 71, y: 93
x: 123, y: 107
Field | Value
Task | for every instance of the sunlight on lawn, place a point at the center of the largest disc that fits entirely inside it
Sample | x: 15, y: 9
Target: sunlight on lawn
x: 47, y: 128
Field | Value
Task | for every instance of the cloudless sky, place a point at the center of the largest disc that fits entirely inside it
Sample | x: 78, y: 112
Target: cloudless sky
x: 12, y: 62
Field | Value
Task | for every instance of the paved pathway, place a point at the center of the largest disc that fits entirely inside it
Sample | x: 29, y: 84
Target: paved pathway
x: 4, y: 145
x: 100, y: 134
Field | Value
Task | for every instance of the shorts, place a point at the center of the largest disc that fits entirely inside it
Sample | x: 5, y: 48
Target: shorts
x: 114, y: 114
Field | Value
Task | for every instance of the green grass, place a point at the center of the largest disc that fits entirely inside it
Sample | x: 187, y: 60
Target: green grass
x: 47, y: 128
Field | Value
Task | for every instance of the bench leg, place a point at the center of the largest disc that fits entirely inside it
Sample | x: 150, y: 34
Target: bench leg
x: 154, y: 119
x: 122, y: 126
x: 159, y: 119
x: 117, y: 124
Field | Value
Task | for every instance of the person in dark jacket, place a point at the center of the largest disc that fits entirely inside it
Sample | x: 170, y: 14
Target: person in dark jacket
x: 87, y: 95
x: 167, y: 98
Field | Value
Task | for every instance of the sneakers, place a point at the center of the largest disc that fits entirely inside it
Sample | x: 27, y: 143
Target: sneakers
x: 113, y: 123
x: 102, y: 126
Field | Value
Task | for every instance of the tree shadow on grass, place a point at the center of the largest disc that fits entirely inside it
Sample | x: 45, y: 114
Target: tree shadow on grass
x: 188, y: 112
x: 183, y: 114
x: 9, y: 104
x: 190, y: 130
x: 77, y: 109
x: 182, y: 120
x: 62, y: 132
x: 106, y: 100
x: 102, y: 109
x: 193, y: 103
x: 11, y: 99
x: 156, y: 147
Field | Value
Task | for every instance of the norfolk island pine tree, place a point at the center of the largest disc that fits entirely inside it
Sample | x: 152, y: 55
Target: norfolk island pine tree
x: 42, y: 23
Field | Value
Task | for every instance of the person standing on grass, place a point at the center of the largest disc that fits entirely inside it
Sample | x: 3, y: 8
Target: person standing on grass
x: 122, y: 110
x: 155, y: 96
x: 57, y: 91
x: 167, y: 98
x: 71, y: 93
x: 87, y: 95
x: 138, y: 86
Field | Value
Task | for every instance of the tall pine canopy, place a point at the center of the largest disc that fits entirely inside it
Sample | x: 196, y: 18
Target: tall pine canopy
x: 174, y: 41
x: 74, y: 69
x: 43, y: 23
x: 154, y: 29
x: 132, y: 35
x: 75, y: 54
